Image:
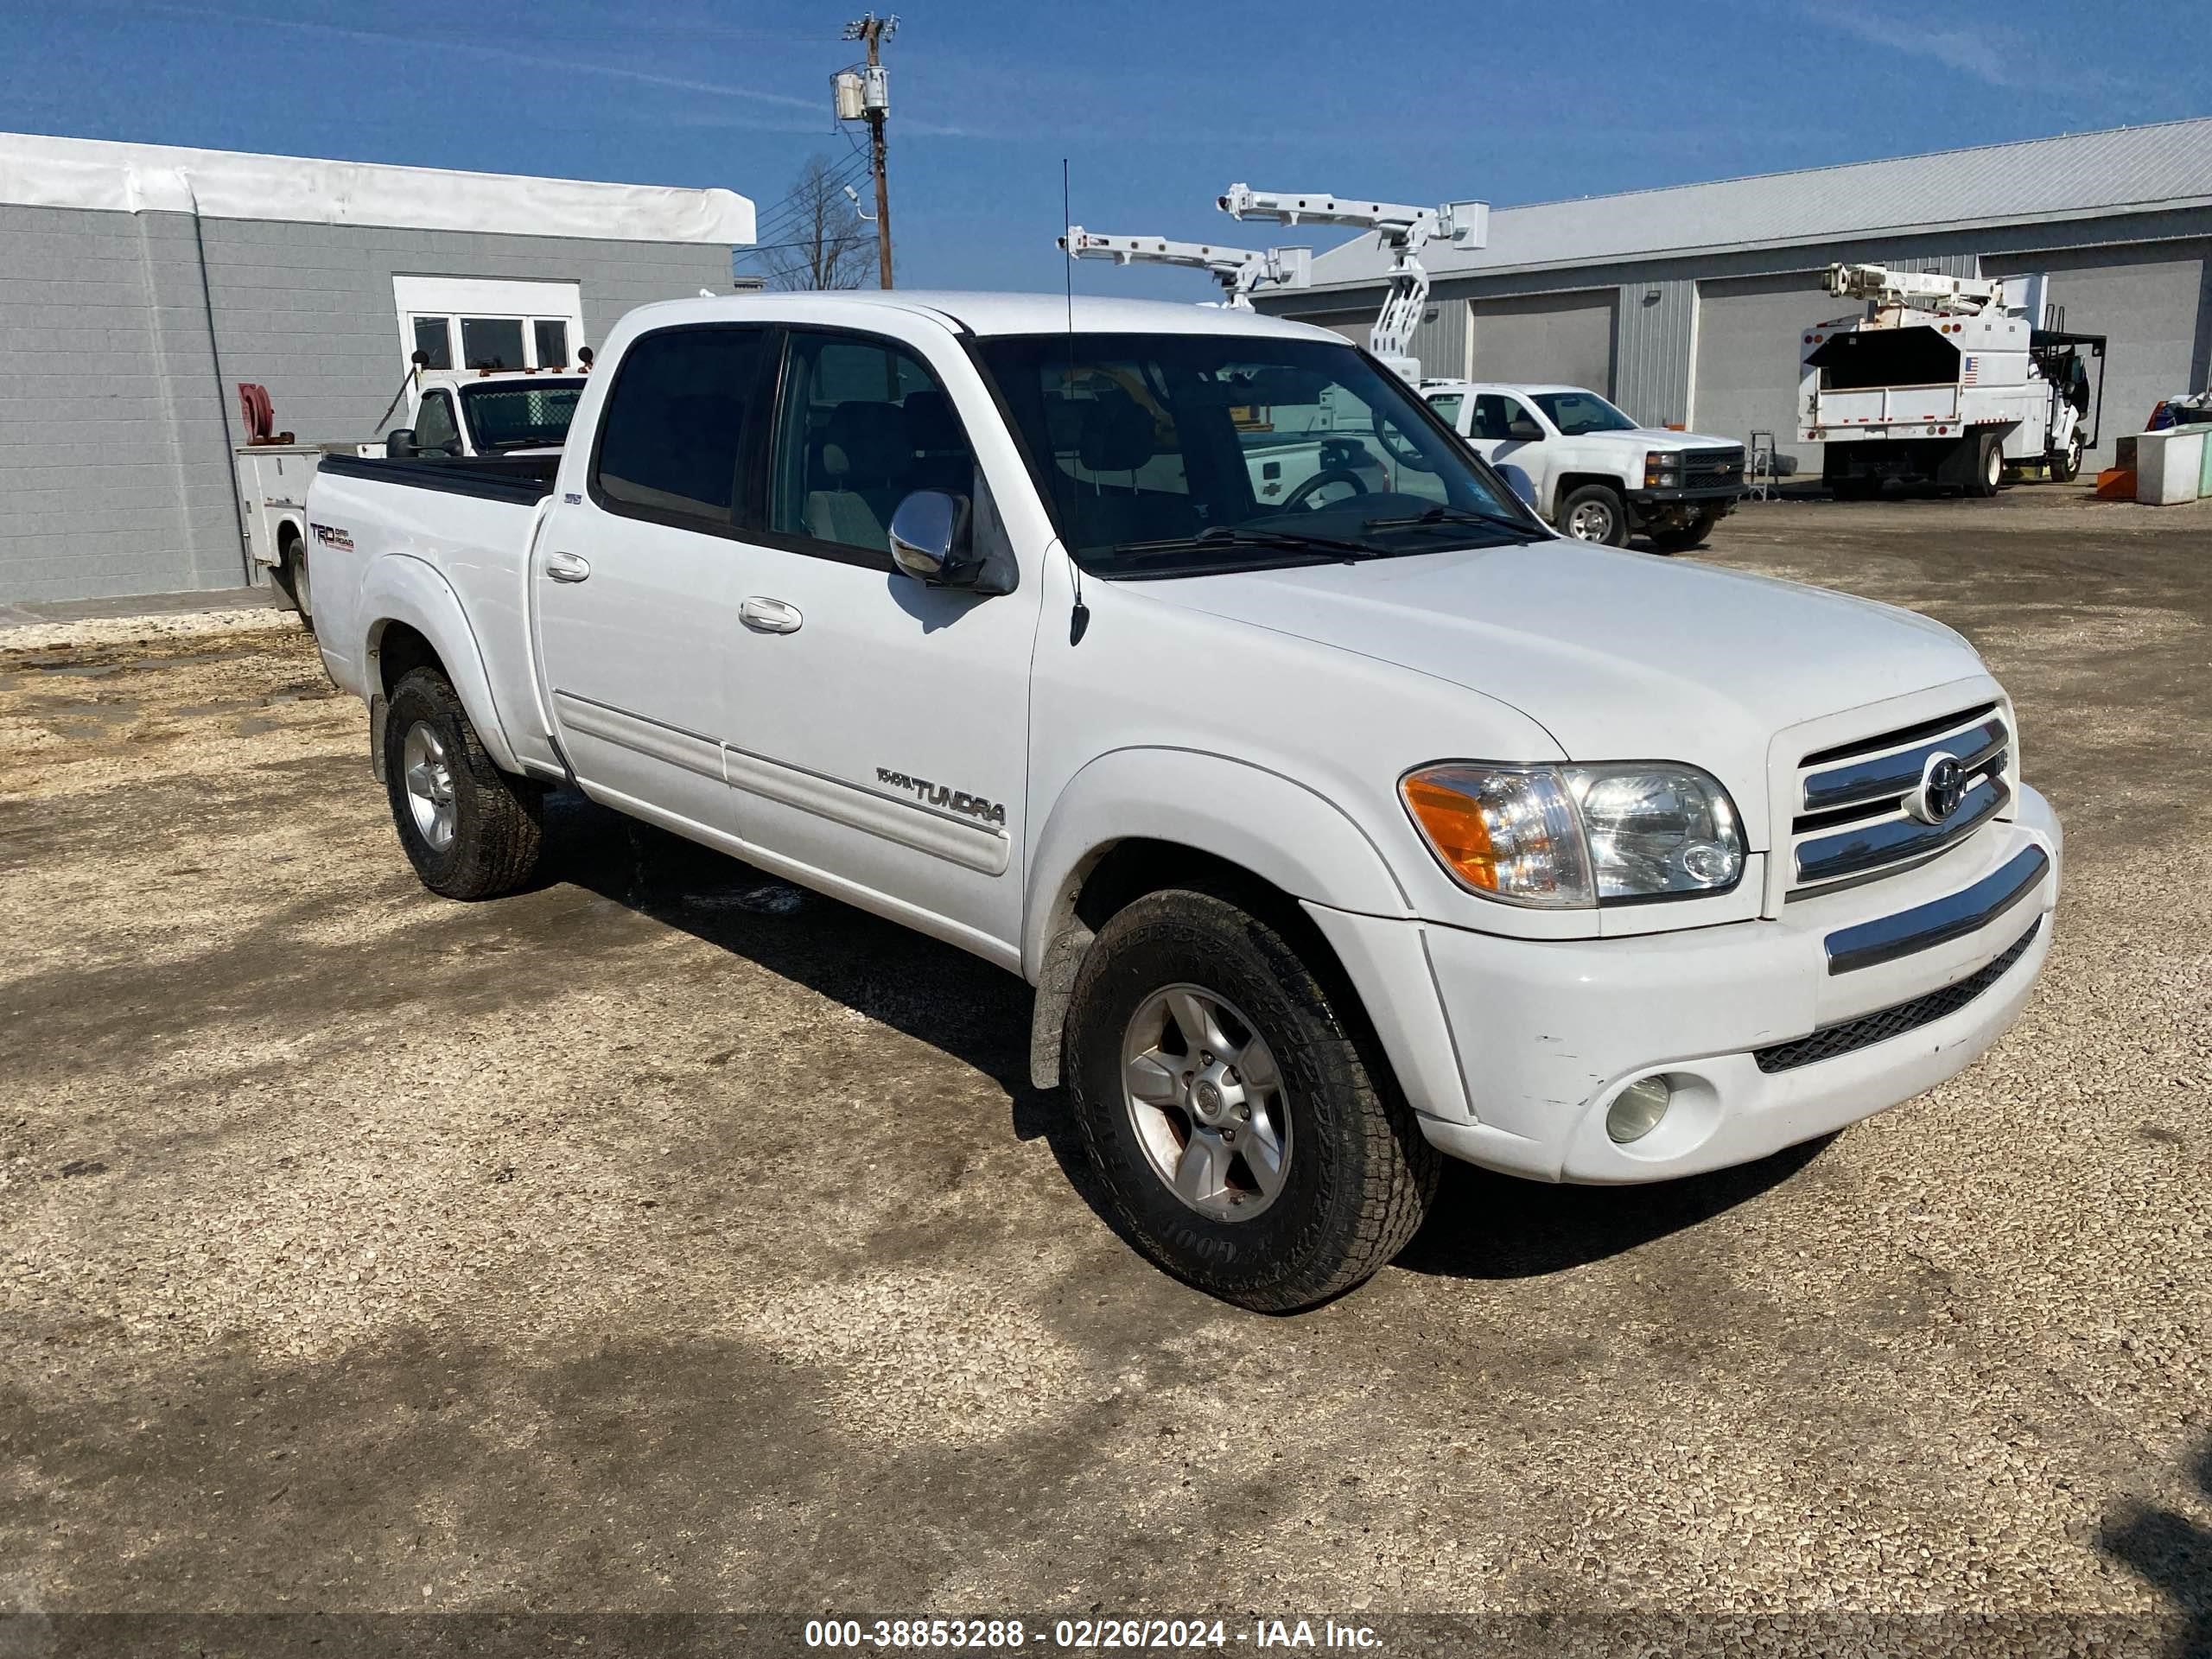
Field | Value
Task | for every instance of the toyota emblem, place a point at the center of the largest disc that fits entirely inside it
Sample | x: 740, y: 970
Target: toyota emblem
x: 1942, y: 783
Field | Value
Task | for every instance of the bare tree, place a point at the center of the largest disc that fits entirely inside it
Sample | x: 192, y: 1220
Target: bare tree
x: 824, y: 242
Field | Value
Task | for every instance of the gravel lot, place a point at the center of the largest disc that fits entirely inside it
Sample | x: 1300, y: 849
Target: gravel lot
x: 666, y: 1240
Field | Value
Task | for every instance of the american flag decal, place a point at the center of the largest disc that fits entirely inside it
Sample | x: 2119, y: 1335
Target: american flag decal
x: 1966, y: 375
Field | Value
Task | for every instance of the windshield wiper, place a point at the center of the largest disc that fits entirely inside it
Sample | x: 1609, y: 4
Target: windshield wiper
x: 1448, y: 515
x: 1296, y: 541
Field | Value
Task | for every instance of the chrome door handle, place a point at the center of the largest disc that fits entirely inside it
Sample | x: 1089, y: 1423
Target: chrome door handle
x: 769, y: 615
x: 567, y: 567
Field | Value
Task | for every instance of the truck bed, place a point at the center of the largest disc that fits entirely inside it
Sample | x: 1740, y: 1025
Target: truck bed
x: 524, y: 479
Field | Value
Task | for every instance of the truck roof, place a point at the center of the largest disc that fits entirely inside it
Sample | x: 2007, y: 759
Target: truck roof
x: 990, y: 314
x: 1546, y: 386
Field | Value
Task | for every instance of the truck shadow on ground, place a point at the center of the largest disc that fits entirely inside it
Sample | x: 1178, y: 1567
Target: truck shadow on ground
x: 2173, y: 1554
x: 1483, y: 1225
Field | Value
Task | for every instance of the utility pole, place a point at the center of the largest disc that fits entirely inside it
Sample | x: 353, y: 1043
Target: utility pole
x: 875, y: 106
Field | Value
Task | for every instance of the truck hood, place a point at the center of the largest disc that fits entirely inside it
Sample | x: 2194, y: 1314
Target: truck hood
x: 1618, y: 656
x: 1659, y: 437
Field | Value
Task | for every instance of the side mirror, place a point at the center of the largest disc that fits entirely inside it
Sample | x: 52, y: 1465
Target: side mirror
x: 399, y: 444
x: 930, y: 540
x: 1524, y: 432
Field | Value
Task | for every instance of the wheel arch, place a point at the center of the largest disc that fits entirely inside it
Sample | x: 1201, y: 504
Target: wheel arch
x: 416, y: 620
x: 1137, y: 820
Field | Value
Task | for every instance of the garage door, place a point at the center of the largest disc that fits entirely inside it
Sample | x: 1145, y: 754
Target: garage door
x: 1750, y: 334
x: 1551, y: 337
x: 2153, y: 303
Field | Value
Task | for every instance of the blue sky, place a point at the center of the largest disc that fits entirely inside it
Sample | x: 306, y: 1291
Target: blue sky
x: 1156, y: 106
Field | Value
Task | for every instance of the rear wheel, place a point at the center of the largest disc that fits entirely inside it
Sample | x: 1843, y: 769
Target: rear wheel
x: 292, y: 573
x: 1594, y: 513
x: 470, y: 830
x: 1988, y: 464
x: 1244, y: 1139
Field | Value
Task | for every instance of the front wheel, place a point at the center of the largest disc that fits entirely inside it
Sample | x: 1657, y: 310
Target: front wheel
x: 1243, y: 1138
x: 1594, y: 513
x: 2068, y: 467
x: 470, y: 830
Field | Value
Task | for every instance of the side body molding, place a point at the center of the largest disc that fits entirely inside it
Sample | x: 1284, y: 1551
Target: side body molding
x: 398, y: 588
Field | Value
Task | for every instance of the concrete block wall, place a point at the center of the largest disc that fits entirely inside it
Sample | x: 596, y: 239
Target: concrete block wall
x: 115, y: 424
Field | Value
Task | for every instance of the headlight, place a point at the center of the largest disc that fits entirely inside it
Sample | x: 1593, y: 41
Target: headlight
x: 1569, y: 837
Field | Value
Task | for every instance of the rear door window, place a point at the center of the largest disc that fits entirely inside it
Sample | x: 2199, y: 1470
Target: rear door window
x: 672, y: 435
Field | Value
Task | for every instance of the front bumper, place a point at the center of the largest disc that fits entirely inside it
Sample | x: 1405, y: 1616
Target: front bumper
x: 1546, y: 1033
x: 1704, y: 495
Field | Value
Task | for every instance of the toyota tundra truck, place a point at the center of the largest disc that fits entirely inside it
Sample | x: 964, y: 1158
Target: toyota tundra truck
x: 1333, y: 835
x: 1591, y: 470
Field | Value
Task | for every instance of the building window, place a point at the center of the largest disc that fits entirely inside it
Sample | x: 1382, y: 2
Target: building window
x: 491, y: 343
x: 552, y: 335
x: 433, y: 339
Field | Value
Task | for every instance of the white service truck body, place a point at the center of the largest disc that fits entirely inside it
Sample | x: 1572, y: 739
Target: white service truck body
x: 1943, y: 380
x: 1332, y: 836
x: 444, y: 412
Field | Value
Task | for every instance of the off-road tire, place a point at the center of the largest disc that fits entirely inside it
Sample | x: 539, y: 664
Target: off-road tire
x: 1360, y: 1176
x: 499, y: 823
x: 1594, y: 496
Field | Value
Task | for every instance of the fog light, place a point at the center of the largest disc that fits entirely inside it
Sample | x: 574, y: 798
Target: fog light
x: 1636, y: 1111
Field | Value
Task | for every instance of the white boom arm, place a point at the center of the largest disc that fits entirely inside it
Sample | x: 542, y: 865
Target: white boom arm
x: 1403, y: 230
x: 1915, y: 290
x: 1239, y: 270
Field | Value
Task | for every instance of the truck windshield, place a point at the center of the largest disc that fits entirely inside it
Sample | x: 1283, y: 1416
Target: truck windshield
x: 1577, y: 412
x: 1181, y: 454
x: 504, y: 416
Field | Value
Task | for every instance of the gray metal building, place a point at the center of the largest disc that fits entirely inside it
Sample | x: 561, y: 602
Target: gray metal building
x: 1688, y: 305
x: 139, y: 284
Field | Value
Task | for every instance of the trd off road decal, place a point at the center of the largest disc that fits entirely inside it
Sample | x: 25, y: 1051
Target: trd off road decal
x: 331, y: 535
x: 937, y: 794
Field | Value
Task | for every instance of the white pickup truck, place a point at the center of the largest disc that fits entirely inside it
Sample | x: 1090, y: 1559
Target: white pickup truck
x: 1589, y: 468
x: 1332, y: 835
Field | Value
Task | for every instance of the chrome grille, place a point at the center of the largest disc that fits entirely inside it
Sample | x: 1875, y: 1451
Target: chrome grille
x: 1854, y: 819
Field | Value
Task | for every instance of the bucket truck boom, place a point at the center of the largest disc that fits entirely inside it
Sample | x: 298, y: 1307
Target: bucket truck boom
x: 1239, y: 270
x: 1401, y: 230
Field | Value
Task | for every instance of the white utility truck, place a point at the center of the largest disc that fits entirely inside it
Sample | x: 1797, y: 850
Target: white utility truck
x: 1945, y: 380
x: 1591, y: 470
x: 486, y: 412
x: 1332, y: 835
x: 449, y: 412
